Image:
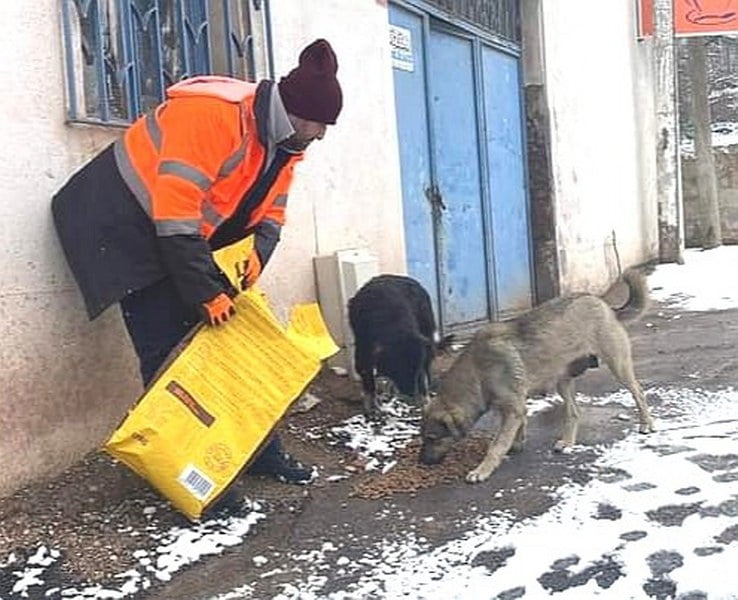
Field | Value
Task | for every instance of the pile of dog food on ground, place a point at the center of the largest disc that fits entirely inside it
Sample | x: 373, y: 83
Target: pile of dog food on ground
x: 409, y: 475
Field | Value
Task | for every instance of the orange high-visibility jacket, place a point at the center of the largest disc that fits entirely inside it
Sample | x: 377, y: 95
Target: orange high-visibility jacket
x: 200, y: 172
x: 189, y: 180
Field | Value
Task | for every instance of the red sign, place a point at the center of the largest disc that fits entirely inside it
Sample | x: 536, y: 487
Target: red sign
x: 645, y: 18
x: 694, y: 17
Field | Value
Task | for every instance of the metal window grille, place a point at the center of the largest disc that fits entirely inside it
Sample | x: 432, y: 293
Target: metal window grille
x: 121, y: 55
x: 500, y: 17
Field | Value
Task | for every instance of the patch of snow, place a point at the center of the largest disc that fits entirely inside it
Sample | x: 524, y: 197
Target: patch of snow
x: 536, y: 405
x: 271, y: 573
x: 182, y: 546
x: 35, y: 566
x: 723, y: 134
x: 704, y: 282
x: 9, y: 560
x: 241, y: 593
x: 260, y: 561
x: 27, y: 578
x: 43, y: 557
x: 377, y: 442
x: 178, y: 547
x: 388, y: 466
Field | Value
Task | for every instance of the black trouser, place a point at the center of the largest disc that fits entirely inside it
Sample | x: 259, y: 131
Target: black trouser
x: 157, y: 320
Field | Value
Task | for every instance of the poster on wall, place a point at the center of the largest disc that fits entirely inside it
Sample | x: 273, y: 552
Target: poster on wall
x: 693, y: 17
x: 401, y: 45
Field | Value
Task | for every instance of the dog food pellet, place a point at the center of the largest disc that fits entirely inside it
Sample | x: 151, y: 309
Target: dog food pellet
x: 409, y: 475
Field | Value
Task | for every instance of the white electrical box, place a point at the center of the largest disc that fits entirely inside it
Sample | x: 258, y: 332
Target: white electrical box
x: 338, y: 277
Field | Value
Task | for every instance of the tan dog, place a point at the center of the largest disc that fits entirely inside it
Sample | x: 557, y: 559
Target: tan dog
x: 506, y: 361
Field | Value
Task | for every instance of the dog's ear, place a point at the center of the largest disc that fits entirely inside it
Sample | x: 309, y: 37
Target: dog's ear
x: 453, y: 427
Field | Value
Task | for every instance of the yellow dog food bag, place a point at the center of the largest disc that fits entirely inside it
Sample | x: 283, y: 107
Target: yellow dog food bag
x: 220, y: 395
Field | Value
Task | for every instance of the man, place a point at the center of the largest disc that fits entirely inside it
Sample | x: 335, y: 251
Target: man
x: 210, y: 165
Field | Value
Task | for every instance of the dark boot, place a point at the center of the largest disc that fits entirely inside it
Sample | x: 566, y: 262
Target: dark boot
x: 274, y: 461
x: 231, y: 503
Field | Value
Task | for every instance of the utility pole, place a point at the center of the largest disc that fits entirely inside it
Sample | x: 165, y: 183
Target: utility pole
x: 668, y: 173
x: 707, y: 187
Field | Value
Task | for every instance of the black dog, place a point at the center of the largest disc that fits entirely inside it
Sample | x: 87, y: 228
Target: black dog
x: 395, y: 334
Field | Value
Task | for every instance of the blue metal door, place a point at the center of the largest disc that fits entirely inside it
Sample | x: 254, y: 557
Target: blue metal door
x: 462, y: 259
x: 506, y: 176
x: 461, y: 156
x: 413, y: 131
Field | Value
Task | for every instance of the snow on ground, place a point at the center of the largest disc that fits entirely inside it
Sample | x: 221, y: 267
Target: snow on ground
x: 175, y: 549
x: 661, y: 515
x: 376, y: 442
x: 723, y: 135
x: 706, y: 281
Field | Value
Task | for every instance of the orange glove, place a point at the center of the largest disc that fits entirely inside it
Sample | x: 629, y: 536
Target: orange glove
x: 252, y: 269
x: 219, y: 309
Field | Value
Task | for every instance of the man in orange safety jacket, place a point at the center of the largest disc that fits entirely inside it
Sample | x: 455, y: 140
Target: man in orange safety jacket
x: 210, y: 165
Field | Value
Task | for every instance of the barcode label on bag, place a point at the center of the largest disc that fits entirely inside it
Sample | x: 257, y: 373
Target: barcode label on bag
x: 196, y: 482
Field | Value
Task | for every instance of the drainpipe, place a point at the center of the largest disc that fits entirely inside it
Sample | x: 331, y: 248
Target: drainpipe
x: 546, y: 271
x: 270, y: 46
x: 668, y: 184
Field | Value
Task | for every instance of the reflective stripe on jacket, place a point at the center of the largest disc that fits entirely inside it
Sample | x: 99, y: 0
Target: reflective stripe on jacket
x: 194, y: 159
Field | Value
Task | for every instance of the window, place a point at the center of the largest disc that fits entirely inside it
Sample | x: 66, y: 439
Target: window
x: 120, y: 55
x: 499, y: 17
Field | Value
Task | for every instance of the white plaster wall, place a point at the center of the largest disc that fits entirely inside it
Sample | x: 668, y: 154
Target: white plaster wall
x: 599, y: 86
x: 347, y: 191
x: 67, y: 382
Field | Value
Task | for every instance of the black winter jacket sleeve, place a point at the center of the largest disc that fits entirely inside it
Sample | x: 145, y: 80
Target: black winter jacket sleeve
x: 189, y: 261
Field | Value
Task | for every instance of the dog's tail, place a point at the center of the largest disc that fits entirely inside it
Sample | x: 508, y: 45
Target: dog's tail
x: 638, y: 299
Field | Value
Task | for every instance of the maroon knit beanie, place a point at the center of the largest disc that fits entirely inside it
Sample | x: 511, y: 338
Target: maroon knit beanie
x: 311, y: 90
